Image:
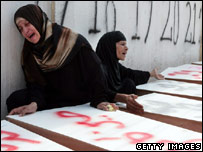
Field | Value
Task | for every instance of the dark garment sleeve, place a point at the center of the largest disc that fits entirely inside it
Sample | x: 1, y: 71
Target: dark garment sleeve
x: 111, y: 95
x: 93, y: 76
x: 36, y: 94
x: 98, y: 89
x: 139, y: 77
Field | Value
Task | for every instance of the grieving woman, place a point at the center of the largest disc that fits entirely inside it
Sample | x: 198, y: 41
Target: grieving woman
x: 59, y: 65
x: 121, y: 81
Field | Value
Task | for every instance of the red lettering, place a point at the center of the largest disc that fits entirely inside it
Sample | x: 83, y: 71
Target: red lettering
x: 172, y: 74
x: 105, y: 116
x: 185, y: 72
x: 86, y: 119
x: 195, y: 75
x: 96, y: 132
x: 14, y: 136
x: 143, y: 138
x: 97, y: 124
x: 68, y: 114
x: 9, y: 147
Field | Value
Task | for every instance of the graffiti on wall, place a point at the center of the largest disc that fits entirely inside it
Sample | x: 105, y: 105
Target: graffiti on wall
x: 170, y: 31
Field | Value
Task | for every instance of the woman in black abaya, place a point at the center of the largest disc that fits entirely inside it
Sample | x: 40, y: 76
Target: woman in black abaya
x: 59, y: 65
x: 121, y: 81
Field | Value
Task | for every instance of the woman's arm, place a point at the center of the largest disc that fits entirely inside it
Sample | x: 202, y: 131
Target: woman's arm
x: 132, y: 104
x: 139, y: 77
x: 27, y: 109
x: 36, y: 94
x: 154, y: 73
x: 36, y: 99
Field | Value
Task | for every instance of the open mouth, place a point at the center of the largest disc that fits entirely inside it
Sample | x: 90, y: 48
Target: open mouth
x: 31, y: 35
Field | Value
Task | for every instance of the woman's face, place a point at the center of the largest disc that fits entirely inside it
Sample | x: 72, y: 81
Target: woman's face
x: 28, y: 31
x: 121, y: 50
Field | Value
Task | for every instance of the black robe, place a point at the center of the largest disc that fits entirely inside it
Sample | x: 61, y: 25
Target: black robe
x: 119, y: 79
x: 61, y: 69
x: 129, y: 80
x: 79, y: 81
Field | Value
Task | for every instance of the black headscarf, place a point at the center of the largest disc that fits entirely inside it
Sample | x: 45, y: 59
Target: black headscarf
x: 31, y: 13
x: 53, y: 49
x: 106, y: 50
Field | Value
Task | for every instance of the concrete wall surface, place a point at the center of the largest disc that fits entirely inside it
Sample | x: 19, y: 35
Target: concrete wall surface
x: 12, y: 78
x: 160, y: 34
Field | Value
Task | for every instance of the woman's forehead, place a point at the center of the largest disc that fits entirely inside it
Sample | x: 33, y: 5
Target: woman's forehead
x: 20, y: 21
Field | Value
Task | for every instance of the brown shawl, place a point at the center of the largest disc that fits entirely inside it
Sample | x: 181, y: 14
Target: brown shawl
x: 53, y: 48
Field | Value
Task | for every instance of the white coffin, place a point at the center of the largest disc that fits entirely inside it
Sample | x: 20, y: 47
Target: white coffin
x: 185, y: 72
x: 15, y: 138
x: 109, y: 130
x: 190, y: 90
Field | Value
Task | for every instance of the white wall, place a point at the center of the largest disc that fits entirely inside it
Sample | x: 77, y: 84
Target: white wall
x: 80, y: 16
x: 12, y: 77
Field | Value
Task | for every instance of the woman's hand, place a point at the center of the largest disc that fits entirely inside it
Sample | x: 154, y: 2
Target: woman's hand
x: 133, y: 105
x: 106, y: 106
x: 27, y: 109
x: 156, y: 75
